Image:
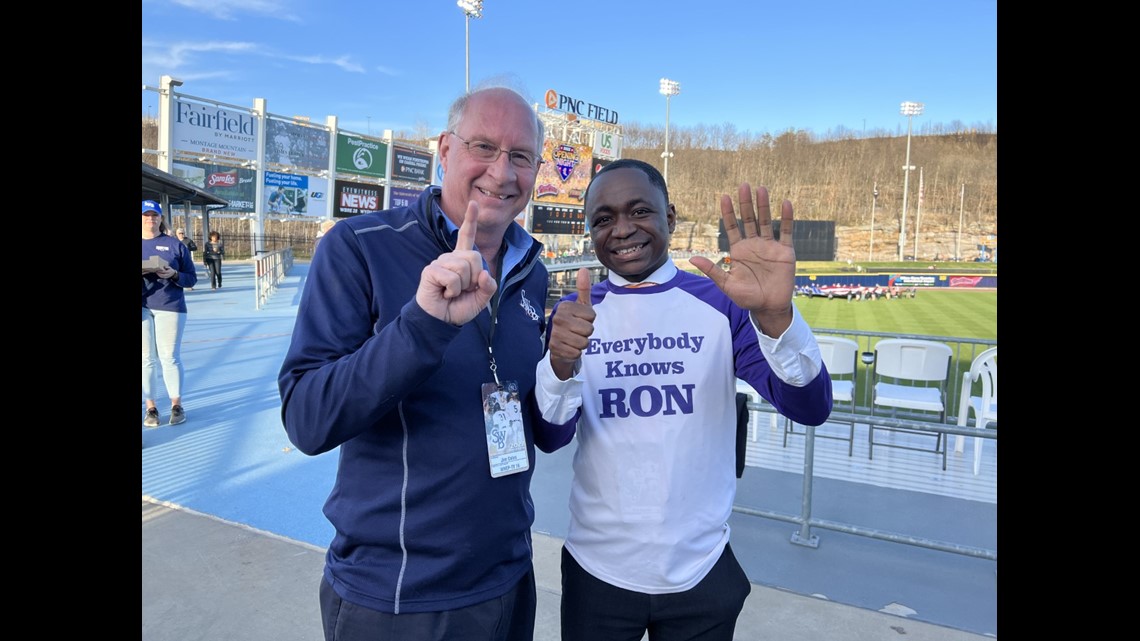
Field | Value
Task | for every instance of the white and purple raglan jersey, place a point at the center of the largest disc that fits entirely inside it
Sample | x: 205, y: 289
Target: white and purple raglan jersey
x: 655, y: 469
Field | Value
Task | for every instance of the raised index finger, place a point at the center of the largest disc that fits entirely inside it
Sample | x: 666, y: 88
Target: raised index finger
x: 584, y: 287
x: 728, y: 216
x: 466, y: 239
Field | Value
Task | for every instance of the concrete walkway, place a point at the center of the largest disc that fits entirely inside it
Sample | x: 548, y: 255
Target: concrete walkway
x: 205, y: 579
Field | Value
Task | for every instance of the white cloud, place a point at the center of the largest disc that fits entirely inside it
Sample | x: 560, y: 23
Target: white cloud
x: 280, y: 9
x: 343, y: 62
x: 177, y: 55
x: 185, y: 59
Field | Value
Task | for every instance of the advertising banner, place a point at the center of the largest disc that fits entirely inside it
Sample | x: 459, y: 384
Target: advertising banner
x: 965, y: 281
x: 402, y: 197
x: 557, y: 220
x: 353, y: 199
x: 318, y: 201
x: 598, y: 164
x: 411, y: 164
x: 208, y: 130
x: 234, y: 184
x: 358, y: 155
x: 287, y: 194
x: 290, y: 144
x: 563, y: 178
x: 912, y: 280
x: 607, y: 145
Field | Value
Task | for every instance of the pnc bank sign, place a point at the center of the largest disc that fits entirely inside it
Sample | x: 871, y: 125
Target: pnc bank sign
x: 589, y: 110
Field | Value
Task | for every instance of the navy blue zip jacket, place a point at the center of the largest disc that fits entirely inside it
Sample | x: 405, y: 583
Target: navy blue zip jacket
x: 420, y: 524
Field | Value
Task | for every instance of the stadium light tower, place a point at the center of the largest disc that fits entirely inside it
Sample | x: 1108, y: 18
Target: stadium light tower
x: 910, y: 110
x: 471, y: 9
x: 669, y: 88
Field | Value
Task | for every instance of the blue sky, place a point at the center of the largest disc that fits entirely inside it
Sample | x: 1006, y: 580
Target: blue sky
x: 815, y: 65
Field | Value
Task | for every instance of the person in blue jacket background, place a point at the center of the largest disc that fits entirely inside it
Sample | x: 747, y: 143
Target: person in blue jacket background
x: 163, y: 312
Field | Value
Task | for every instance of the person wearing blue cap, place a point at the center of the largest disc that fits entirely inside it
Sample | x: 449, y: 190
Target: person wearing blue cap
x: 167, y: 271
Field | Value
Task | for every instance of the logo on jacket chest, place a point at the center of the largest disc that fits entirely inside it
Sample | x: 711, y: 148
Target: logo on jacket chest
x: 527, y: 307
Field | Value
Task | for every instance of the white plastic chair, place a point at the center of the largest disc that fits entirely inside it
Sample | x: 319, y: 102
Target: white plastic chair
x: 840, y: 356
x: 918, y: 371
x: 984, y: 407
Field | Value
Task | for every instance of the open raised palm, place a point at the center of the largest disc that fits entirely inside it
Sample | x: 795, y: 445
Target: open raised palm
x: 763, y: 272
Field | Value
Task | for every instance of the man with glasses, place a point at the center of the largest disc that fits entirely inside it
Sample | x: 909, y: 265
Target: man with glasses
x: 414, y: 323
x: 487, y: 152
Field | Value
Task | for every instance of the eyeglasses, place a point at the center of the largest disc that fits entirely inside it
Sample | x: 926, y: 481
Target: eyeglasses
x: 487, y: 152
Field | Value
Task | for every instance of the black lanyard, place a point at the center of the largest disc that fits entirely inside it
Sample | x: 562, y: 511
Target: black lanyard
x: 495, y: 299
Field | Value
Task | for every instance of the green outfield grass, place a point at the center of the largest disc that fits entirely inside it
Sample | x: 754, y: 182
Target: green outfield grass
x: 933, y: 312
x: 937, y: 311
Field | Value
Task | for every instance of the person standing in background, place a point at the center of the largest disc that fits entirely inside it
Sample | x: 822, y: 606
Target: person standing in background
x: 213, y: 254
x: 167, y: 271
x: 189, y: 242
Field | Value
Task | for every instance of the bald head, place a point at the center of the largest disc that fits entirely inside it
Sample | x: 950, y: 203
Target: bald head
x: 495, y: 94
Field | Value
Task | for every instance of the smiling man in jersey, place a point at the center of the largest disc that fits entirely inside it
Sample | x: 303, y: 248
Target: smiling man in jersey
x: 646, y: 361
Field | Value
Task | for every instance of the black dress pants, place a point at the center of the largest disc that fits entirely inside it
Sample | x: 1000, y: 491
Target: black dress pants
x: 593, y: 610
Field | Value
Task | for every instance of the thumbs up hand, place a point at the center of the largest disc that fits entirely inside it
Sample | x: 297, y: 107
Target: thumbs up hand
x: 571, y: 327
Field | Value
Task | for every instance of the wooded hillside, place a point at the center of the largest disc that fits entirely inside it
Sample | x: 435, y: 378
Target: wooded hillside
x: 835, y: 180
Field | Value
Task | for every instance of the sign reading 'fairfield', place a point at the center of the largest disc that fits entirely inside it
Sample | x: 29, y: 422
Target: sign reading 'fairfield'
x: 208, y: 130
x: 581, y: 108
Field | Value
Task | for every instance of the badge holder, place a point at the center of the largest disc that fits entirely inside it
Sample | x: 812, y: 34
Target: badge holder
x: 506, y: 438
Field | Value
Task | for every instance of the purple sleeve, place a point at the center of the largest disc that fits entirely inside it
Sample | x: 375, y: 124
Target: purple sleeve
x: 549, y: 437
